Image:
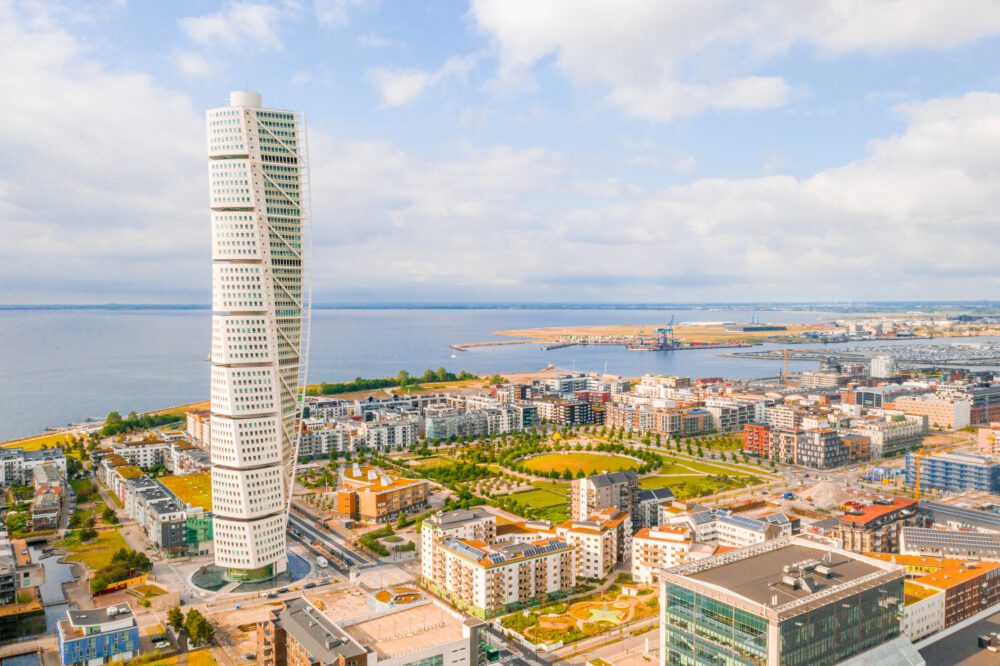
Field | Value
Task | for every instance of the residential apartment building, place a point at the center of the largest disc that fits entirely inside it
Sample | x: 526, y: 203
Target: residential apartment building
x: 954, y: 472
x: 882, y: 367
x: 490, y: 580
x: 144, y: 453
x: 988, y: 440
x: 967, y: 587
x: 950, y: 413
x: 98, y: 636
x: 876, y: 527
x: 821, y: 448
x: 566, y: 412
x: 368, y: 493
x: 17, y: 466
x: 467, y: 524
x: 757, y: 439
x: 657, y: 548
x: 604, y: 491
x: 199, y: 427
x: 648, y: 506
x: 723, y: 527
x: 791, y: 600
x: 929, y: 542
x: 893, y: 435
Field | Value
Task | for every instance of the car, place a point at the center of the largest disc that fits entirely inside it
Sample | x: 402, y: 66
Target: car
x: 308, y: 586
x: 282, y: 590
x: 270, y: 595
x: 161, y: 645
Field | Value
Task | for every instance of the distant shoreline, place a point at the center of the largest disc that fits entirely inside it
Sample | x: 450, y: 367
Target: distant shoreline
x: 868, y: 308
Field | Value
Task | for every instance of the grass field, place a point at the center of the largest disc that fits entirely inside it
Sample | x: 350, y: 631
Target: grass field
x: 589, y: 463
x: 35, y: 443
x: 96, y: 553
x: 180, y: 410
x: 200, y: 657
x: 193, y: 489
x: 560, y: 487
x: 432, y: 387
x: 433, y: 461
x: 552, y: 504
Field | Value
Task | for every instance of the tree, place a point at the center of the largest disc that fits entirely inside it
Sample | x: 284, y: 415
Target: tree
x: 200, y: 631
x: 109, y: 515
x: 403, y: 378
x: 87, y: 534
x: 175, y: 618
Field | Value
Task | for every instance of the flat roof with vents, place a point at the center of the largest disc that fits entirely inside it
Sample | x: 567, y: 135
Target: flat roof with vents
x: 786, y: 575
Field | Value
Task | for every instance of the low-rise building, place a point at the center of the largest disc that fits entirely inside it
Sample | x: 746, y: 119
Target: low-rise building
x: 98, y: 636
x: 723, y: 527
x: 144, y: 453
x: 968, y: 586
x: 368, y: 493
x: 930, y: 542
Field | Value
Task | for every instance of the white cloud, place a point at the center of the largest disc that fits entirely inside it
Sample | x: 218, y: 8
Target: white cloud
x: 334, y: 13
x: 371, y: 40
x: 302, y: 77
x: 513, y: 224
x: 195, y: 65
x: 661, y: 60
x: 237, y: 27
x: 398, y: 87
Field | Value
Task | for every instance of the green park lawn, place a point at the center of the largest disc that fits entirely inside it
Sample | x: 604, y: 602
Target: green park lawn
x: 96, y: 553
x: 588, y: 463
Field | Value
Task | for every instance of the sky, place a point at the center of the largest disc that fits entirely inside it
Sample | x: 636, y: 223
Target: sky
x: 516, y: 150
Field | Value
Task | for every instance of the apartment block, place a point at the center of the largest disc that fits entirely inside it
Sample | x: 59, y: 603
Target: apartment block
x: 468, y: 524
x: 199, y: 427
x: 490, y: 580
x: 614, y: 490
x: 876, y: 527
x: 657, y: 548
x: 950, y: 413
x: 954, y: 472
x: 98, y: 636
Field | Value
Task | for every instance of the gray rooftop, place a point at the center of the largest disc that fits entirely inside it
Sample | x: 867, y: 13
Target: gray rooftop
x: 897, y: 652
x: 457, y: 517
x: 757, y: 573
x: 94, y: 616
x: 663, y: 494
x: 325, y: 642
x: 611, y: 478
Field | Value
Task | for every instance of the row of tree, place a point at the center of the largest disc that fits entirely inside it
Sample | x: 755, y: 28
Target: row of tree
x: 114, y: 424
x: 124, y: 564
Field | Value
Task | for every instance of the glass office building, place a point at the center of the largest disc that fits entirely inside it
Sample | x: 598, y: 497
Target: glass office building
x: 791, y: 601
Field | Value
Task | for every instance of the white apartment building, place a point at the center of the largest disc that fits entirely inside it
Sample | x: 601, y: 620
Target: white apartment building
x: 470, y: 524
x: 199, y: 427
x: 260, y: 315
x: 658, y: 548
x: 924, y: 616
x: 724, y: 528
x: 895, y: 434
x: 882, y: 367
x: 488, y: 580
x: 144, y: 453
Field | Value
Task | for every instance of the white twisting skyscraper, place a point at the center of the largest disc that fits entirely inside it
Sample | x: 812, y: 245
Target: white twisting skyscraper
x: 260, y: 333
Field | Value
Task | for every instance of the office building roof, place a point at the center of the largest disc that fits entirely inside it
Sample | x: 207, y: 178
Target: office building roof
x: 97, y: 616
x: 787, y: 575
x: 409, y: 630
x: 611, y: 478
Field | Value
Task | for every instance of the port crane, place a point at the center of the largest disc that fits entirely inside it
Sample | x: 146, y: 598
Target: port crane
x: 665, y: 334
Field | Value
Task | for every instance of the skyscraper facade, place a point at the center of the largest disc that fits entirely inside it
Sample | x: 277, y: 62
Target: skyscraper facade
x: 260, y: 315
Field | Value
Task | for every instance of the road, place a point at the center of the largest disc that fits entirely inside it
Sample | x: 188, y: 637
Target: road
x: 334, y: 543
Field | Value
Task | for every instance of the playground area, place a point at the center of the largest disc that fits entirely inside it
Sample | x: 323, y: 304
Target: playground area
x: 575, y: 620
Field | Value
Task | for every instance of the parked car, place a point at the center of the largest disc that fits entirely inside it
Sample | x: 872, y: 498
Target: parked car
x: 282, y: 590
x: 270, y: 595
x: 161, y: 645
x: 308, y: 586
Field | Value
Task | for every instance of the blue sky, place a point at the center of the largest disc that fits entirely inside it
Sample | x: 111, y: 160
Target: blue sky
x: 516, y: 151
